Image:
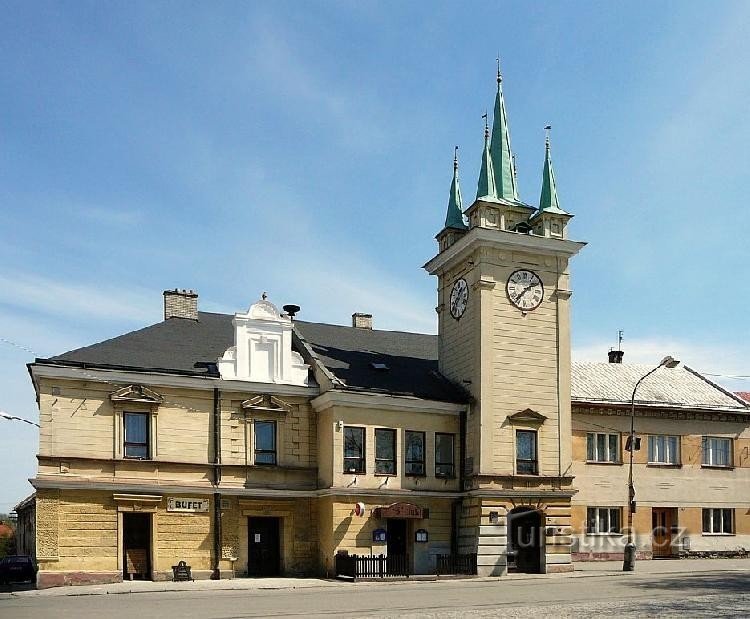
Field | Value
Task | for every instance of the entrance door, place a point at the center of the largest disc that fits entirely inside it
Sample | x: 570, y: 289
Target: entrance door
x: 398, y: 548
x: 263, y: 553
x: 525, y: 541
x: 136, y: 546
x: 662, y: 521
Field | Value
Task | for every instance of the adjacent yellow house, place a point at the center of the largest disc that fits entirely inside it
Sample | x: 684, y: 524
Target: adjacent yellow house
x: 258, y: 445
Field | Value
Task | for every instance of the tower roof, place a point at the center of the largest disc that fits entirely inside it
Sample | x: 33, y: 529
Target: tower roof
x: 500, y: 151
x: 486, y: 186
x: 548, y: 201
x: 454, y: 217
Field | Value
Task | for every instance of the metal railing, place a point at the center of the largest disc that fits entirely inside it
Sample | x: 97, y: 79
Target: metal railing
x: 371, y: 566
x: 462, y: 564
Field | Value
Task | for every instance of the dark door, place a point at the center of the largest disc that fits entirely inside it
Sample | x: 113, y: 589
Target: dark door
x: 525, y: 541
x: 263, y: 555
x: 397, y: 563
x: 136, y: 546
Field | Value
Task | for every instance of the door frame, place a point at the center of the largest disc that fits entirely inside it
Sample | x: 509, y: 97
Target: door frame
x: 149, y: 550
x: 670, y: 523
x: 279, y: 545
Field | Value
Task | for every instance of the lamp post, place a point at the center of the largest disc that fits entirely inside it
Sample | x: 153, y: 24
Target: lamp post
x: 9, y: 417
x: 628, y: 563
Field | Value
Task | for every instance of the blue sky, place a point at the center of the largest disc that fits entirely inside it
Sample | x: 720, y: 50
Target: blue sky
x: 306, y: 149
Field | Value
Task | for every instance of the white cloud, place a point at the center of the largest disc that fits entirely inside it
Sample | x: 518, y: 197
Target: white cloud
x: 54, y: 297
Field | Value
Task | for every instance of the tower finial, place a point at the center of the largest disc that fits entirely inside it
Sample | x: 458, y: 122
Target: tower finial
x: 486, y: 126
x: 499, y: 75
x: 455, y: 159
x: 502, y: 154
x: 547, y: 129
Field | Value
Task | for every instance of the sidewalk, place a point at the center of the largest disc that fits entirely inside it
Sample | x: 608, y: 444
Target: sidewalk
x: 587, y: 569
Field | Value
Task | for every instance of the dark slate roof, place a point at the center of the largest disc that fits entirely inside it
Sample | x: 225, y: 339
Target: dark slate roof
x: 410, y: 359
x: 191, y: 347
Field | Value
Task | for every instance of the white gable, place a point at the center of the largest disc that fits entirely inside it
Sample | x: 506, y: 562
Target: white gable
x: 262, y: 351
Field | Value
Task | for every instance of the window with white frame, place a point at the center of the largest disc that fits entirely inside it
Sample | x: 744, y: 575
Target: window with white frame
x: 603, y: 520
x: 601, y: 447
x: 136, y: 443
x: 717, y: 451
x: 663, y: 449
x: 718, y: 521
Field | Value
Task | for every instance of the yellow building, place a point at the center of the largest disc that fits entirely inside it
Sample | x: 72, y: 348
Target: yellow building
x: 257, y: 444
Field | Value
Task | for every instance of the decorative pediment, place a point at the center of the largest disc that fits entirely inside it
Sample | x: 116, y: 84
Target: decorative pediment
x: 136, y: 393
x: 527, y: 417
x: 262, y: 350
x: 267, y: 403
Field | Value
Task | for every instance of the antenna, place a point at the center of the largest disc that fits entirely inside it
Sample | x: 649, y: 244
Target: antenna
x: 619, y: 339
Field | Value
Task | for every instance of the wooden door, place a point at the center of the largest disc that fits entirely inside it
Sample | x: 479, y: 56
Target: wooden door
x: 264, y: 547
x: 661, y: 524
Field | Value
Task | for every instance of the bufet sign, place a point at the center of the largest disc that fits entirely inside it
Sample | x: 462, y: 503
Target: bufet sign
x: 187, y: 505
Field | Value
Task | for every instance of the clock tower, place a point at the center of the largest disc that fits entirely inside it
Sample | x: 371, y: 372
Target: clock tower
x: 504, y: 334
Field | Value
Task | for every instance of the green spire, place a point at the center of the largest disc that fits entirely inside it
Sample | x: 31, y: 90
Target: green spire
x: 454, y: 218
x: 486, y: 186
x: 502, y: 156
x: 548, y: 200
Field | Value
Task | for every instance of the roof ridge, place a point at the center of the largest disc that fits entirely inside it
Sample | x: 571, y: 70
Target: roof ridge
x: 736, y: 398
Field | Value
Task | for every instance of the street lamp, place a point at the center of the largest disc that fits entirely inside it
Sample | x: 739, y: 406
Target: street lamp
x: 9, y: 417
x: 628, y: 563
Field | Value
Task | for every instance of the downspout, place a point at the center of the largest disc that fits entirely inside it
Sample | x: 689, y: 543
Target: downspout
x: 456, y: 511
x: 216, y: 571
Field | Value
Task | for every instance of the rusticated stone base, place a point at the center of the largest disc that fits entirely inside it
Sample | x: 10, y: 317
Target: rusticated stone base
x: 45, y: 580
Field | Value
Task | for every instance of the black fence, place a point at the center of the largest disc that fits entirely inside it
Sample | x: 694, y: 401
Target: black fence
x: 463, y: 565
x: 380, y: 566
x: 372, y: 566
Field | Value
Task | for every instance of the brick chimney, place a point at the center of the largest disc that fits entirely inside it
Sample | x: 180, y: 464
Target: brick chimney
x: 615, y: 356
x: 362, y: 321
x: 180, y: 304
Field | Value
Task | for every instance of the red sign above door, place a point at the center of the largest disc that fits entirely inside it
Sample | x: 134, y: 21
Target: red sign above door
x: 402, y: 510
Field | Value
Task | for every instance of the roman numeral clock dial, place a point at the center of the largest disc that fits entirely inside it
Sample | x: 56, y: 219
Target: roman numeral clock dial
x: 525, y: 290
x: 459, y: 298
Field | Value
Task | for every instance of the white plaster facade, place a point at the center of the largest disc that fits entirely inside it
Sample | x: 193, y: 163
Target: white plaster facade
x: 262, y: 351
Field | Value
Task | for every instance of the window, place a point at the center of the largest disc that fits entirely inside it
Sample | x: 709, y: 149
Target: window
x: 602, y: 520
x: 385, y: 452
x: 265, y: 442
x: 354, y: 450
x: 414, y: 453
x: 663, y: 449
x: 444, y: 466
x: 136, y: 435
x: 602, y: 447
x: 526, y: 461
x: 717, y: 451
x: 718, y: 521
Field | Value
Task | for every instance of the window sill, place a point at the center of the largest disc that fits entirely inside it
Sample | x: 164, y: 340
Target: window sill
x: 718, y: 534
x: 663, y: 465
x: 604, y: 534
x: 354, y: 472
x: 720, y: 467
x: 385, y: 474
x: 605, y: 463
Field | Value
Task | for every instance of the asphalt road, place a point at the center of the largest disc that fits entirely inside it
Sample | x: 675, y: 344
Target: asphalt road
x: 700, y: 594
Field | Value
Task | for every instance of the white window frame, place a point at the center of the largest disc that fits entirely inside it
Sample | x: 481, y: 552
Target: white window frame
x: 596, y: 519
x: 708, y: 454
x: 607, y: 456
x: 717, y: 519
x: 667, y: 454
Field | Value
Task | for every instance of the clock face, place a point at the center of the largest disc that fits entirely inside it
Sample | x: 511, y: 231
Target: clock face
x: 459, y: 298
x: 525, y: 290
